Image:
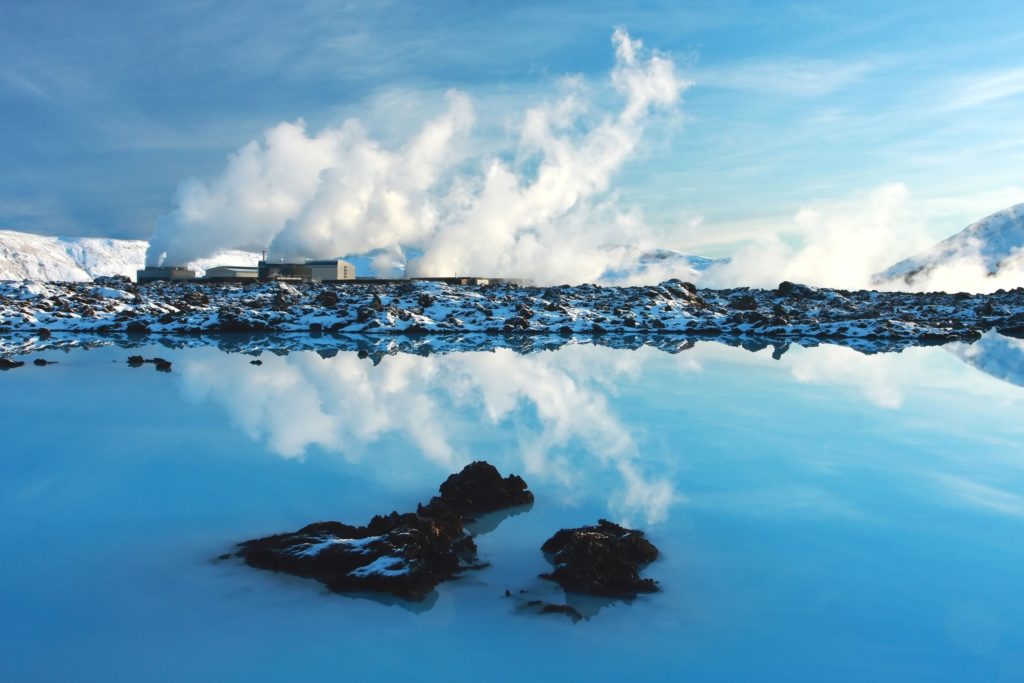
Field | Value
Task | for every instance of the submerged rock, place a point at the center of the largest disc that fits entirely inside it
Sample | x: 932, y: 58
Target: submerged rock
x: 405, y: 555
x: 553, y: 608
x: 8, y: 364
x: 604, y: 559
x: 162, y: 364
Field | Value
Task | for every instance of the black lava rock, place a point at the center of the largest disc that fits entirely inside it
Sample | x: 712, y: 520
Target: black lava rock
x: 743, y: 303
x: 479, y: 489
x: 787, y: 288
x: 8, y: 364
x: 136, y: 361
x: 604, y: 559
x: 406, y: 555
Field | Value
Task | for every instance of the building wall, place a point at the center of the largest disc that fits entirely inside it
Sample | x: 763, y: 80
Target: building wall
x: 340, y: 270
x: 153, y: 274
x: 233, y: 273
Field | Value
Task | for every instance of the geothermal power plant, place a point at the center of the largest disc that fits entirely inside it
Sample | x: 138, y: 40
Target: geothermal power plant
x: 312, y: 270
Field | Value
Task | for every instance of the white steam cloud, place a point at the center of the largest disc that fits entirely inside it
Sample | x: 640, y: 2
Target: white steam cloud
x: 549, y: 215
x: 850, y: 245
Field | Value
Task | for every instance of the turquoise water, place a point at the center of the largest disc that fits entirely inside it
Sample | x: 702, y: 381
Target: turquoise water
x: 826, y: 516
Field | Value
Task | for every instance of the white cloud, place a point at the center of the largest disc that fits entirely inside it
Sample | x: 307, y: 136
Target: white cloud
x: 792, y: 77
x: 845, y: 244
x: 549, y: 215
x: 985, y: 88
x: 837, y: 245
x: 983, y: 496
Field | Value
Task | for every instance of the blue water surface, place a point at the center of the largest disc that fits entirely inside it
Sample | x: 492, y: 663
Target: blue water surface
x: 826, y: 516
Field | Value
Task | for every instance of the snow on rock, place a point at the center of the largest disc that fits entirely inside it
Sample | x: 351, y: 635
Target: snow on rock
x: 994, y: 246
x: 406, y: 555
x: 790, y: 313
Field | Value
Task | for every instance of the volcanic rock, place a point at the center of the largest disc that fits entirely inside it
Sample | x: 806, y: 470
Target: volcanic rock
x: 405, y: 555
x: 479, y: 489
x: 604, y: 559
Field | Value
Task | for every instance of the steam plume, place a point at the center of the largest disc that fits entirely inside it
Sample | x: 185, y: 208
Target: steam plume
x: 549, y: 215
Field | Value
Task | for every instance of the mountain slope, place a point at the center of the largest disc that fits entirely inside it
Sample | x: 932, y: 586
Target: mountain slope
x: 24, y: 256
x: 994, y: 245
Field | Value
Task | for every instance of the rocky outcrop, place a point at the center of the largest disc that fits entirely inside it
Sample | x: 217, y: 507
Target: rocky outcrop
x: 790, y: 313
x: 405, y: 555
x: 604, y: 559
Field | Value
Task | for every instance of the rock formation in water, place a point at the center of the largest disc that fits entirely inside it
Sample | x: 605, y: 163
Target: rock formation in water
x: 604, y: 559
x: 405, y: 555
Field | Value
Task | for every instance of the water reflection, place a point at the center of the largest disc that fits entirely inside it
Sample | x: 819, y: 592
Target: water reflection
x: 556, y: 406
x: 996, y: 355
x: 840, y: 501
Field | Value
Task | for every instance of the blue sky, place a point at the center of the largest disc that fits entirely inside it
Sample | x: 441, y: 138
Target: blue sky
x: 108, y: 106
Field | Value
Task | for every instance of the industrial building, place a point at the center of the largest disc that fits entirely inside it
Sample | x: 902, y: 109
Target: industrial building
x: 232, y: 273
x: 325, y: 270
x: 154, y: 273
x: 328, y: 270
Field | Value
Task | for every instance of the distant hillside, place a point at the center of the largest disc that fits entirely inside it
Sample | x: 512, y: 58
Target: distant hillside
x: 996, y: 242
x: 24, y: 256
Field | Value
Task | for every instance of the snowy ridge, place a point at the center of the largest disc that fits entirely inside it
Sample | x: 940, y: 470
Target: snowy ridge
x: 24, y: 256
x: 996, y: 242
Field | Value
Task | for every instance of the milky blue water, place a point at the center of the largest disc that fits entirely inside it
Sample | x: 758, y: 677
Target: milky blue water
x: 827, y: 516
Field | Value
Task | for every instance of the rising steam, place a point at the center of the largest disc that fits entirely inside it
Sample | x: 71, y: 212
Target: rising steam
x: 548, y: 215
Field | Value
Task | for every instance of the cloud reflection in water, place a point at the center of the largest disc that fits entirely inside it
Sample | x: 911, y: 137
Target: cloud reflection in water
x: 555, y: 405
x: 557, y: 408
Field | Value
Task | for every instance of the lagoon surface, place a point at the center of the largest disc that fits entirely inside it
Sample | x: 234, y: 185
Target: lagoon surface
x: 827, y: 515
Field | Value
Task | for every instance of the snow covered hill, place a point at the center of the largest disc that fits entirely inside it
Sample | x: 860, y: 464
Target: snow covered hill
x: 658, y: 265
x: 993, y: 247
x: 24, y: 256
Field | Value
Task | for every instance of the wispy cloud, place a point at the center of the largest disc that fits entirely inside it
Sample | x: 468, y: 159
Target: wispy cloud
x: 989, y: 87
x: 791, y: 76
x: 983, y: 496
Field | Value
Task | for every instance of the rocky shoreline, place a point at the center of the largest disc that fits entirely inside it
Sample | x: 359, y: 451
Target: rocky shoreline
x: 791, y: 313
